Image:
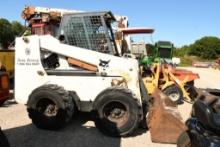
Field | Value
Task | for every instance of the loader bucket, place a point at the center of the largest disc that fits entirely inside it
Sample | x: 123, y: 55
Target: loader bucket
x: 164, y: 120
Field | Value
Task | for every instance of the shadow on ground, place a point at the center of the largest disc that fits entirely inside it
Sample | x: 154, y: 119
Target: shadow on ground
x: 75, y: 134
x: 9, y: 103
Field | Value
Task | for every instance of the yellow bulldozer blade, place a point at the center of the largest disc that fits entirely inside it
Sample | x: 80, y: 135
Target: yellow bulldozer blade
x: 164, y: 120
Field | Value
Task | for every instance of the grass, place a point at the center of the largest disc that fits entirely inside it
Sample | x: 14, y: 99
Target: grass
x: 188, y: 60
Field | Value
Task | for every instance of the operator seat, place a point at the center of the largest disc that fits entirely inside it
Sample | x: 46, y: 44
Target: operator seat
x: 207, y: 114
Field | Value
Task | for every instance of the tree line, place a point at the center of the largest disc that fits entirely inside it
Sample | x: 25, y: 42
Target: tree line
x: 207, y: 47
x: 8, y: 32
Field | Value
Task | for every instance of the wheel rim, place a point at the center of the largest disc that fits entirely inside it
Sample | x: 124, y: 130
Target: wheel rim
x: 47, y: 107
x: 51, y: 110
x: 174, y: 96
x: 116, y: 112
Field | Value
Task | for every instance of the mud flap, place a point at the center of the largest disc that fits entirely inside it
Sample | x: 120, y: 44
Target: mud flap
x: 164, y: 120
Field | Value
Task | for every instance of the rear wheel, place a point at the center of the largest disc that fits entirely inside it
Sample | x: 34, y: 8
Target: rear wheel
x: 174, y: 93
x: 118, y: 112
x: 3, y: 140
x: 50, y: 107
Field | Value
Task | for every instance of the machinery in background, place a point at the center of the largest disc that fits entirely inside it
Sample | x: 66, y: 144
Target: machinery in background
x: 158, y: 71
x: 127, y: 46
x: 7, y: 61
x: 154, y: 62
x: 177, y: 84
x: 4, y: 87
x: 161, y: 52
x: 204, y: 124
x: 202, y: 64
x: 216, y: 65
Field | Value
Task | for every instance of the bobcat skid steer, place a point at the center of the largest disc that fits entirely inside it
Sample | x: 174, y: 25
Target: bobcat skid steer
x: 55, y: 78
x: 81, y: 70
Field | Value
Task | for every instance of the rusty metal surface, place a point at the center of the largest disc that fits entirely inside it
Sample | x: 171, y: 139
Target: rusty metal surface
x: 4, y: 87
x: 182, y: 74
x: 164, y: 120
x: 136, y: 30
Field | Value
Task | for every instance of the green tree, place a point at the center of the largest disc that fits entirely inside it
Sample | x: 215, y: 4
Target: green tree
x: 206, y: 48
x: 181, y: 52
x: 17, y: 28
x: 6, y: 33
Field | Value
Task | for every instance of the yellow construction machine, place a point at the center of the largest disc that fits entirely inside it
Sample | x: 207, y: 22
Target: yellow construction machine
x: 7, y: 61
x: 175, y: 83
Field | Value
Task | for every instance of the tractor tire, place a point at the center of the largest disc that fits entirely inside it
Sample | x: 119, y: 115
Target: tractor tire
x: 174, y: 93
x: 50, y: 107
x: 118, y: 112
x: 3, y: 140
x: 184, y: 140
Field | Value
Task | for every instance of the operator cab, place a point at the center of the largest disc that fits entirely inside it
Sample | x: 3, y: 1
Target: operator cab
x: 91, y: 31
x: 164, y: 49
x: 137, y: 49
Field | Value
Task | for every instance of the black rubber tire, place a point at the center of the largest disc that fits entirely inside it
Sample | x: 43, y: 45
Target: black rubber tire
x: 184, y: 140
x: 134, y: 111
x: 3, y: 140
x: 174, y: 89
x: 56, y: 95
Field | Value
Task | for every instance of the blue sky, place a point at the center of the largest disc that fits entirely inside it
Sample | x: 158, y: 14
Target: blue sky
x: 180, y: 21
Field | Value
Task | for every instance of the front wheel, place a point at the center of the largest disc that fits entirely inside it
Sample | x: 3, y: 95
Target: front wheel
x: 174, y: 93
x: 118, y: 112
x: 50, y: 107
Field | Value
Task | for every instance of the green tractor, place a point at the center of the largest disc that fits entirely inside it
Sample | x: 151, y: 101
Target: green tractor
x: 161, y: 52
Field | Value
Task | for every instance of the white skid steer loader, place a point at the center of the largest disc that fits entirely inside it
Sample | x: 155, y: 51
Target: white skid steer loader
x: 81, y: 69
x: 55, y: 77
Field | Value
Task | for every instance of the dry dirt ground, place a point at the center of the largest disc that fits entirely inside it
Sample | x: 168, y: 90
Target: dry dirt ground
x: 81, y: 132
